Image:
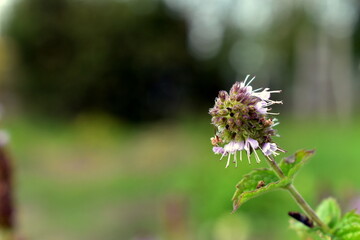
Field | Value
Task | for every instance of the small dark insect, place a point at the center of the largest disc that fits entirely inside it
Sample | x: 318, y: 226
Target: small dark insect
x: 302, y: 218
x: 260, y: 184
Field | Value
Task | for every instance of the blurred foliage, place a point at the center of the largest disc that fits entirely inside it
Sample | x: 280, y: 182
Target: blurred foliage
x: 129, y: 59
x: 100, y: 179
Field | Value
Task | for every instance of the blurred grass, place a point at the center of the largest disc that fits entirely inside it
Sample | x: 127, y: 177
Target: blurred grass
x: 97, y: 178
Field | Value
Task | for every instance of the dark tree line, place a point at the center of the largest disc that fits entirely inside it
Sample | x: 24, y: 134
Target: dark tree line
x: 106, y: 56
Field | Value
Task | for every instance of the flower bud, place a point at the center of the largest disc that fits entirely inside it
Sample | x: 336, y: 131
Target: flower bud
x: 213, y: 111
x: 223, y: 95
x: 223, y: 112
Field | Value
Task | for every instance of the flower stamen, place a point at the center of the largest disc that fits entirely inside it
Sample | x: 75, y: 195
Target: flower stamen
x: 228, y: 161
x: 250, y: 81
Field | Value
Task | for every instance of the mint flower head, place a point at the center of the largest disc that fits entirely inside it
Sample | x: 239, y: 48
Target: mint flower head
x: 242, y: 124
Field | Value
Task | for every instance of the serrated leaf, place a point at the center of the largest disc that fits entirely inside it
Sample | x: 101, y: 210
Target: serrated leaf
x: 329, y: 212
x: 291, y: 165
x: 349, y: 227
x: 255, y: 183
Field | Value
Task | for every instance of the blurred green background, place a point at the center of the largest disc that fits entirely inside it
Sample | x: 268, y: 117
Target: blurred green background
x: 106, y: 103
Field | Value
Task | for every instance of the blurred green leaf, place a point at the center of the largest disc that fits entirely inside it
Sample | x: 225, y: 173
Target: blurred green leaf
x: 291, y: 165
x: 349, y: 227
x: 305, y: 232
x: 329, y: 212
x: 255, y: 183
x: 230, y: 225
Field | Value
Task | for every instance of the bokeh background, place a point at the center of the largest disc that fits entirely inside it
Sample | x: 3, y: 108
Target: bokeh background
x: 106, y: 104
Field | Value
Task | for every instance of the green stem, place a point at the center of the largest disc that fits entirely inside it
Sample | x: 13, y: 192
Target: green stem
x: 297, y: 196
x: 306, y: 207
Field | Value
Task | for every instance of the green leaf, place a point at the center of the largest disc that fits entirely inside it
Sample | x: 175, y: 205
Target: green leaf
x: 260, y: 181
x: 349, y: 227
x: 291, y: 165
x: 255, y: 183
x: 329, y: 212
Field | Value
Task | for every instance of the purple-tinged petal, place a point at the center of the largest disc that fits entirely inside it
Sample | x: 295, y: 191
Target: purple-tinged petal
x: 261, y: 107
x: 269, y: 148
x: 218, y: 150
x: 231, y: 147
x: 241, y: 145
x: 266, y: 148
x: 254, y: 144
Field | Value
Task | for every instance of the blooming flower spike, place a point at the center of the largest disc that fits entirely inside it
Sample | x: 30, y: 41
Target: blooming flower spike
x: 242, y: 124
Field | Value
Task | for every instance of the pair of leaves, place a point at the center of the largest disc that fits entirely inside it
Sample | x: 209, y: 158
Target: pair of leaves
x: 263, y: 180
x: 342, y: 228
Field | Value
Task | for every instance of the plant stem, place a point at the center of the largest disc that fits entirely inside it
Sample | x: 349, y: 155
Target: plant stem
x: 274, y: 166
x: 297, y: 196
x: 306, y: 207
